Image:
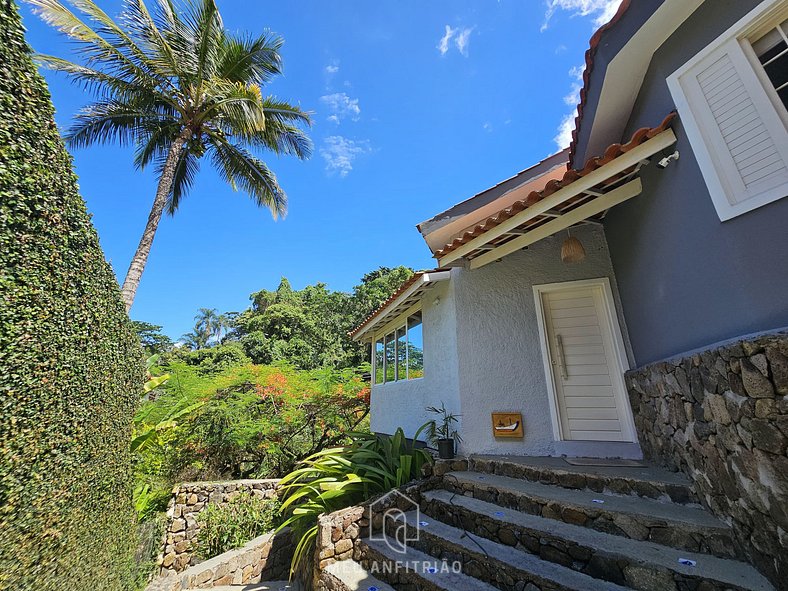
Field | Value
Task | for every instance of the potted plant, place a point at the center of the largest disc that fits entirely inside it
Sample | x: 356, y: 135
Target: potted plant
x: 442, y: 433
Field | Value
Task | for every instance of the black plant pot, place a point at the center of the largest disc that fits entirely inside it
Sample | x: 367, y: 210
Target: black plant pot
x: 446, y: 449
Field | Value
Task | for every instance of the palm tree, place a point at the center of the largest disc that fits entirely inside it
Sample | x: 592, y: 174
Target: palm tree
x: 194, y: 340
x: 206, y: 323
x: 178, y: 86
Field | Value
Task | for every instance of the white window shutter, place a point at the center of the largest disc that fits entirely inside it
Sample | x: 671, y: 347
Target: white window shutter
x: 738, y: 136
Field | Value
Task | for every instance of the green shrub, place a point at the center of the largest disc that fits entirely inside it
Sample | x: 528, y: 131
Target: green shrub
x: 71, y: 369
x: 246, y: 421
x: 225, y: 527
x: 336, y: 478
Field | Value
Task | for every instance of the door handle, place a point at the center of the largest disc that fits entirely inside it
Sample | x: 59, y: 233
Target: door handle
x: 561, y: 358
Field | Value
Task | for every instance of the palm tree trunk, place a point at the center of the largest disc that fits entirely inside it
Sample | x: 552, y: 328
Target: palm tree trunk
x: 137, y: 266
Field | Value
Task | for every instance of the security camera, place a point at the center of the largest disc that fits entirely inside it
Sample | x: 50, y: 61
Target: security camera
x: 668, y: 159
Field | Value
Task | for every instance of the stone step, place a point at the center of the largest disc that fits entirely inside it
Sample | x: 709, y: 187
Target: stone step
x: 641, y: 565
x: 414, y: 570
x: 647, y: 481
x: 502, y: 566
x: 681, y: 526
x: 349, y: 575
x: 264, y: 586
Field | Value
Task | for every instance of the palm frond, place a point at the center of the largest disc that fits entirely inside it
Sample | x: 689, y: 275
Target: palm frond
x: 185, y: 172
x: 113, y: 120
x: 250, y: 59
x: 240, y: 169
x: 157, y: 144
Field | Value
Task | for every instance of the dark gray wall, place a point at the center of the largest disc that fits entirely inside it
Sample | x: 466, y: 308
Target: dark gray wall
x: 686, y: 279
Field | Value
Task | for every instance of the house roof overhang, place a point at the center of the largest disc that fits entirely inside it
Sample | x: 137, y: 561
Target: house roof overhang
x: 444, y: 226
x: 580, y: 196
x: 615, y: 88
x: 407, y: 296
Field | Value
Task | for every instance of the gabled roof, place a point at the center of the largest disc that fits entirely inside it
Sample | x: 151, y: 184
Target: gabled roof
x: 589, y: 58
x: 574, y: 199
x: 401, y: 300
x: 468, y: 213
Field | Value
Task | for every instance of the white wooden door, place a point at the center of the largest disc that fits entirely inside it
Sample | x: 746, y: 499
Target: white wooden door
x: 583, y: 359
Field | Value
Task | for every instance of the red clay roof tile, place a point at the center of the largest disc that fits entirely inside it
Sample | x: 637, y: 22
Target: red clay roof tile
x: 571, y: 175
x: 596, y: 38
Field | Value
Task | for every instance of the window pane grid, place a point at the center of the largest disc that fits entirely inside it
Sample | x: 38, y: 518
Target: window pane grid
x: 772, y: 52
x: 399, y: 355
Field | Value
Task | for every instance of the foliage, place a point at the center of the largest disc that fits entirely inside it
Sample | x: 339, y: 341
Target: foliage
x: 336, y: 478
x: 308, y: 328
x: 243, y: 421
x: 213, y: 359
x: 152, y: 339
x: 178, y: 86
x: 229, y: 526
x: 149, y: 536
x: 71, y: 368
x: 443, y: 427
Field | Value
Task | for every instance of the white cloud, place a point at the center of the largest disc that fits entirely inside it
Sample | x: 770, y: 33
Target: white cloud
x: 573, y: 96
x: 443, y: 44
x: 564, y: 135
x: 341, y: 106
x: 462, y: 41
x: 461, y: 37
x: 332, y: 69
x: 601, y: 10
x: 563, y: 138
x: 340, y: 153
x: 487, y: 126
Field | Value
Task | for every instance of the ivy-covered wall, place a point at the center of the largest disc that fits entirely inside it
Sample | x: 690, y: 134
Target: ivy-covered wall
x: 70, y: 367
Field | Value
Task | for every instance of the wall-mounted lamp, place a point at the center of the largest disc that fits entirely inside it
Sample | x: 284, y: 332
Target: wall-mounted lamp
x: 572, y: 250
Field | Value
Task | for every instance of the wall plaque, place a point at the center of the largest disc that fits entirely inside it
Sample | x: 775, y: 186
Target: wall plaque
x: 507, y: 424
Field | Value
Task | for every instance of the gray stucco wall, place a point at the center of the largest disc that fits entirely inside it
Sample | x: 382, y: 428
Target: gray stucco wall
x: 686, y: 279
x: 500, y: 359
x: 403, y: 403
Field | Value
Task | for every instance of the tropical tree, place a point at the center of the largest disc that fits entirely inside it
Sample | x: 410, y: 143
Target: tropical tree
x: 206, y: 323
x: 194, y: 340
x: 177, y: 86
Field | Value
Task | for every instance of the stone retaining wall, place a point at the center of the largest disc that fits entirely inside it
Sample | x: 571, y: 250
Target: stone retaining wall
x: 266, y: 558
x: 721, y: 416
x: 188, y: 499
x: 339, y: 533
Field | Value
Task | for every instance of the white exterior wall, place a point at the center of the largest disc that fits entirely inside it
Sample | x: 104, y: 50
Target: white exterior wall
x: 403, y: 403
x: 500, y: 359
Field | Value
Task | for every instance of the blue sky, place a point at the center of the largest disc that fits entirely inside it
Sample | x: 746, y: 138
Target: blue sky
x: 417, y: 106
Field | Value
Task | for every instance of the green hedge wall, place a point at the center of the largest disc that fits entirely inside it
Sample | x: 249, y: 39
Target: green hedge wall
x: 70, y: 367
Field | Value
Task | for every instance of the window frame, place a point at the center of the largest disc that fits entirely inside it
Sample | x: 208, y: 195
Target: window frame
x: 401, y: 321
x: 755, y: 24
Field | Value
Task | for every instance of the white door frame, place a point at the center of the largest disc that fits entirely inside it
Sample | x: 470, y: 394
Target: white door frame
x: 619, y: 350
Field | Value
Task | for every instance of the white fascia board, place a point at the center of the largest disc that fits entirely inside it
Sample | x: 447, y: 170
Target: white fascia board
x: 627, y: 70
x: 419, y: 285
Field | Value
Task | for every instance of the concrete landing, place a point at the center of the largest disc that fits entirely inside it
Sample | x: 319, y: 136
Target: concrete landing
x: 264, y: 586
x: 649, y: 473
x: 649, y: 481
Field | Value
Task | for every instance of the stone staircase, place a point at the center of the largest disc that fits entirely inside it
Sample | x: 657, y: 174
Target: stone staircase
x: 542, y: 525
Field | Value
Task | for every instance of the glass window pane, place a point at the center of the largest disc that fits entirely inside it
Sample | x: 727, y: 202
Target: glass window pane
x: 390, y: 359
x: 401, y: 354
x: 415, y: 347
x: 379, y: 362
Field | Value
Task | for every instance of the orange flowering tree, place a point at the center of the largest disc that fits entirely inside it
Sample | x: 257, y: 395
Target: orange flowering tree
x: 257, y: 420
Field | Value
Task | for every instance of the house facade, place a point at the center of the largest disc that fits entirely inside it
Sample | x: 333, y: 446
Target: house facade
x: 628, y: 296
